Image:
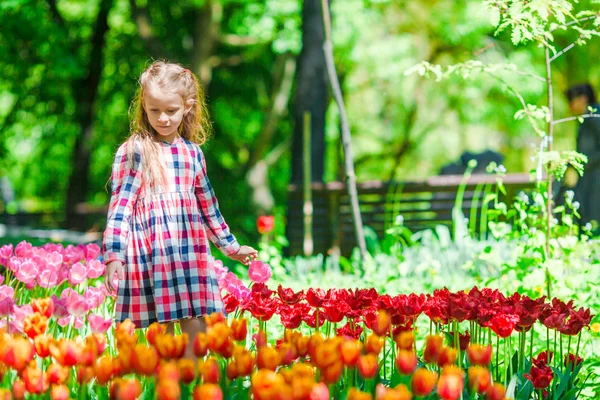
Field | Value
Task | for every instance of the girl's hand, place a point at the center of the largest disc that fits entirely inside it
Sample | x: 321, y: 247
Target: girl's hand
x: 245, y: 255
x: 111, y: 268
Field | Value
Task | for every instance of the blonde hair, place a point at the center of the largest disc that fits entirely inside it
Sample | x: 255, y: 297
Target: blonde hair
x: 195, y: 125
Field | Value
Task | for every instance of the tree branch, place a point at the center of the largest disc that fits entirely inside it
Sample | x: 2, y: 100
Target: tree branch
x: 568, y: 119
x: 570, y: 46
x: 575, y: 22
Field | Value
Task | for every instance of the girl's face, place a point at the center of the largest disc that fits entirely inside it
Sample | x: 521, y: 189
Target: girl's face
x: 165, y: 111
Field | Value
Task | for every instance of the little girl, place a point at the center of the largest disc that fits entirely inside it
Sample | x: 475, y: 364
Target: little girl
x: 163, y: 209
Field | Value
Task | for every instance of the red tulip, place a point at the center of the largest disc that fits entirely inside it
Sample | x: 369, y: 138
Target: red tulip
x: 540, y: 376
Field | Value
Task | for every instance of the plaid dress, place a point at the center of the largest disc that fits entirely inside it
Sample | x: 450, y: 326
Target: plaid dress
x: 162, y: 238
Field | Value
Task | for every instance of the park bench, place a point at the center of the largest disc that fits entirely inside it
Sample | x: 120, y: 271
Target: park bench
x: 422, y: 204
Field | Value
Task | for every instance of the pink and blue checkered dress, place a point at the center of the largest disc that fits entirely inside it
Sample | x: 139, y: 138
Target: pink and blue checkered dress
x: 162, y: 238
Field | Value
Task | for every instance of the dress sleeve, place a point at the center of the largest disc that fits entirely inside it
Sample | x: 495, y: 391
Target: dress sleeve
x: 218, y: 231
x: 126, y: 185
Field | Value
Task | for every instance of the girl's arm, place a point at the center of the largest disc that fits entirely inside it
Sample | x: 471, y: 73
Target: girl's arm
x: 126, y: 185
x: 218, y: 231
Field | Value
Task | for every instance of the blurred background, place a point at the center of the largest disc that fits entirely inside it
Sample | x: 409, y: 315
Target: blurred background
x: 69, y: 70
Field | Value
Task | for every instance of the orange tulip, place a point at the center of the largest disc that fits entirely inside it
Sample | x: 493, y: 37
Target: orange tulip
x: 479, y: 378
x: 218, y: 337
x: 244, y: 361
x: 201, y: 345
x: 17, y: 353
x: 169, y: 346
x: 65, y: 352
x: 447, y: 356
x: 57, y: 374
x: 350, y: 350
x: 406, y: 361
x: 405, y: 340
x: 84, y: 374
x: 144, y: 360
x: 497, y: 391
x: 267, y: 357
x: 103, y: 369
x: 450, y: 386
x: 127, y: 389
x: 18, y: 390
x: 301, y: 344
x: 313, y: 342
x: 124, y: 360
x: 41, y: 343
x: 187, y: 370
x: 423, y: 382
x: 400, y: 392
x: 43, y: 306
x: 382, y: 324
x: 231, y: 371
x: 155, y: 329
x: 287, y: 353
x: 479, y: 355
x: 374, y: 344
x: 35, y: 324
x: 333, y: 372
x: 320, y: 391
x: 126, y: 327
x: 34, y: 379
x: 355, y: 394
x: 433, y: 348
x: 239, y: 329
x: 368, y: 365
x: 214, y: 318
x: 59, y: 392
x: 326, y: 352
x: 89, y: 352
x: 265, y: 383
x: 208, y: 391
x: 168, y: 389
x: 125, y: 334
x: 168, y: 371
x: 210, y: 371
x: 100, y: 339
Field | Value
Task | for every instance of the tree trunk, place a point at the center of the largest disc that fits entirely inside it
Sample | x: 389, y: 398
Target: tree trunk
x: 85, y: 92
x: 311, y: 96
x: 311, y: 93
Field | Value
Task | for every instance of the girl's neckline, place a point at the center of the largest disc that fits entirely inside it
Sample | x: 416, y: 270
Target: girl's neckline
x: 174, y: 142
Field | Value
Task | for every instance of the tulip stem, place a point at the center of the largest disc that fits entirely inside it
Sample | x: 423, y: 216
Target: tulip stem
x: 531, y: 344
x: 497, y: 357
x: 578, y: 341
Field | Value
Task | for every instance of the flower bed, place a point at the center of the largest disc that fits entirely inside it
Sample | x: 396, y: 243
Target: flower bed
x: 355, y: 344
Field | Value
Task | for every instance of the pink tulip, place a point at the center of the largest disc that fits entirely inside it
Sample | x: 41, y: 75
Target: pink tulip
x: 24, y: 249
x: 64, y: 321
x: 53, y: 247
x: 27, y: 272
x: 98, y: 324
x: 77, y: 273
x: 14, y: 263
x: 48, y: 277
x: 94, y: 296
x: 60, y: 307
x: 92, y: 251
x: 72, y: 254
x: 6, y: 252
x: 259, y: 272
x: 76, y: 304
x: 54, y: 259
x: 78, y: 323
x: 63, y: 273
x: 319, y: 392
x: 19, y: 314
x: 242, y: 293
x: 6, y: 306
x: 94, y: 268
